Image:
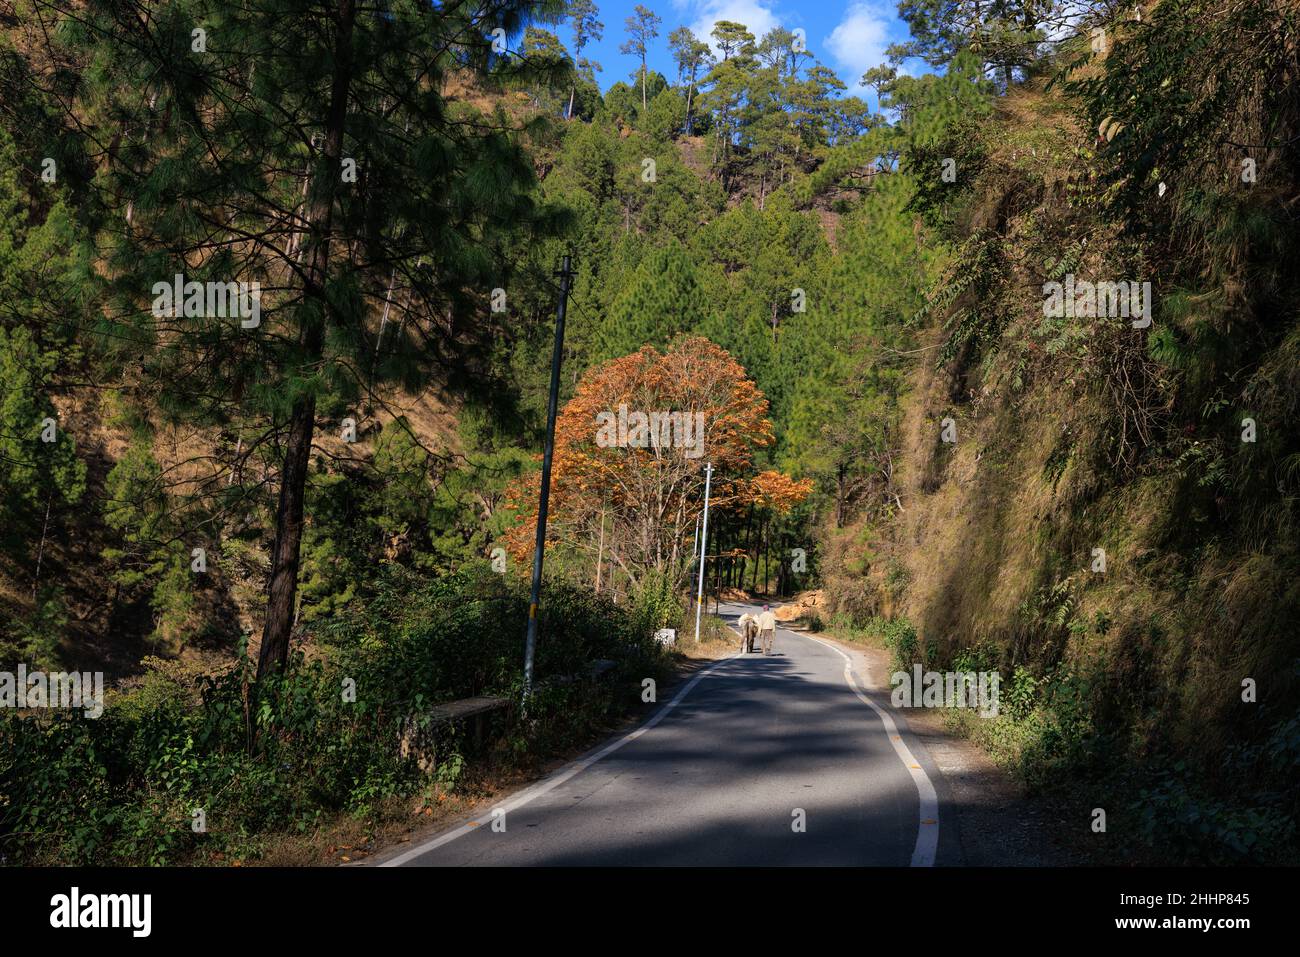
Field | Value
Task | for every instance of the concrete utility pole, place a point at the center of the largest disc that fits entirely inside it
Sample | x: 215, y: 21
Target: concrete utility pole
x: 566, y: 276
x: 704, y: 546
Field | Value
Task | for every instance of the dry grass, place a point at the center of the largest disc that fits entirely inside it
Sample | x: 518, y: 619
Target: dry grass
x: 995, y: 536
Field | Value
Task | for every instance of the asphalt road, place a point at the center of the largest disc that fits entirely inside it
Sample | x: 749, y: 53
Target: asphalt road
x: 755, y: 761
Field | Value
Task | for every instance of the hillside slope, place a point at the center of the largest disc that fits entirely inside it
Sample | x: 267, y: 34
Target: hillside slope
x: 1102, y: 510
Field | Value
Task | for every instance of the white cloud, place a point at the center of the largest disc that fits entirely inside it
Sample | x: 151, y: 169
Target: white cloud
x: 758, y: 16
x: 859, y: 41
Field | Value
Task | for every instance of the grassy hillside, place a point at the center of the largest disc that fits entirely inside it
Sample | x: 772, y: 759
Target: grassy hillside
x: 1165, y: 687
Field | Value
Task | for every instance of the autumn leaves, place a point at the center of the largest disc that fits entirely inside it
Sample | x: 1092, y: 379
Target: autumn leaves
x: 630, y: 451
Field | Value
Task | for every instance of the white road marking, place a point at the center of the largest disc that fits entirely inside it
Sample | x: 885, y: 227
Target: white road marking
x: 551, y: 783
x: 927, y: 835
x: 927, y: 829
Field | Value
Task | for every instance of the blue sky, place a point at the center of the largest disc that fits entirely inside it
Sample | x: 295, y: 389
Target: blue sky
x: 849, y: 36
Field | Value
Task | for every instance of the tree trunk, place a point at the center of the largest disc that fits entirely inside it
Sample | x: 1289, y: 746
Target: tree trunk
x: 383, y: 320
x: 751, y: 548
x: 600, y: 552
x: 282, y: 588
x: 767, y: 562
x: 40, y: 552
x: 839, y: 497
x: 782, y: 568
x: 720, y: 572
x: 234, y: 466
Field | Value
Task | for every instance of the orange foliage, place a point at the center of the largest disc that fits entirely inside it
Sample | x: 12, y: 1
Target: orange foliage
x: 778, y: 492
x: 647, y: 494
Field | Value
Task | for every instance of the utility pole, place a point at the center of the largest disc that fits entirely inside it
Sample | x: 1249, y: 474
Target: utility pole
x: 704, y: 545
x: 566, y: 276
x: 695, y: 542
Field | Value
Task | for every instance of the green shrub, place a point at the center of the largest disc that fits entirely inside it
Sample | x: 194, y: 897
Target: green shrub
x: 124, y: 789
x: 900, y: 638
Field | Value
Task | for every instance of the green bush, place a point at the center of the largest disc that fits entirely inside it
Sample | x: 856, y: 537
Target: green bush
x: 124, y: 789
x: 1193, y: 826
x: 657, y: 604
x: 900, y: 638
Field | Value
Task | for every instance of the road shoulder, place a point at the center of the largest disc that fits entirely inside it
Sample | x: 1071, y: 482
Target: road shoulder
x: 990, y: 821
x: 500, y: 791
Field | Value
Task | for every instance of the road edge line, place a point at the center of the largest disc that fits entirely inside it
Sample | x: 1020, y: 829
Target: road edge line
x: 548, y: 784
x: 926, y: 848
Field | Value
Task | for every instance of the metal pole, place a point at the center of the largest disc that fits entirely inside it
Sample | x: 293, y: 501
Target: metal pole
x: 695, y: 542
x: 704, y: 539
x: 565, y: 274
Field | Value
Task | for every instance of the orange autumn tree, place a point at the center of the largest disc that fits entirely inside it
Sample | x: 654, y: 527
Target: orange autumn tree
x: 778, y: 492
x: 627, y: 484
x: 773, y: 494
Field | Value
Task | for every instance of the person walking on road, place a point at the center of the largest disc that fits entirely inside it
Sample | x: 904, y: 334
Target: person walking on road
x: 767, y: 629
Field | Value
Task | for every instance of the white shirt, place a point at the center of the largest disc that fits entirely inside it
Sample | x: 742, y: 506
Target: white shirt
x: 766, y: 621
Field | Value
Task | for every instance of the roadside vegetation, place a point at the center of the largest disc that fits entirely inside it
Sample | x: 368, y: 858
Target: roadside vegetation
x: 235, y: 521
x: 1114, y: 528
x: 186, y: 767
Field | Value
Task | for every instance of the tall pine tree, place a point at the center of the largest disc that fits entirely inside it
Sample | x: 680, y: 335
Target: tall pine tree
x: 311, y: 149
x: 662, y: 300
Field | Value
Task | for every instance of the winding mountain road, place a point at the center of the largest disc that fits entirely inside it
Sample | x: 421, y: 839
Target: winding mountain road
x: 779, y: 760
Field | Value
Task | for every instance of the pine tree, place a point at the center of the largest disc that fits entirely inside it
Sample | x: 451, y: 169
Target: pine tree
x: 310, y: 150
x: 586, y: 27
x: 42, y: 265
x: 642, y: 27
x: 1004, y: 34
x: 845, y: 356
x: 663, y: 299
x: 39, y: 467
x: 691, y: 56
